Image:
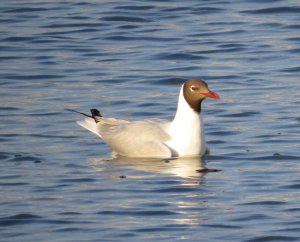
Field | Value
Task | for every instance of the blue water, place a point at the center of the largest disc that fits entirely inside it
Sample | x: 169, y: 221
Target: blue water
x: 128, y: 59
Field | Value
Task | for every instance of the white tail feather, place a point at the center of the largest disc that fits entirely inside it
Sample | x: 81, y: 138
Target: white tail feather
x: 90, y: 125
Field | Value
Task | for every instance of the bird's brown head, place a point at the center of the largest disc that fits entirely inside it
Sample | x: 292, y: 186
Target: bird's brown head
x: 195, y: 91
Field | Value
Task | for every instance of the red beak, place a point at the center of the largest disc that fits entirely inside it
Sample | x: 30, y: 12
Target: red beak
x: 211, y: 94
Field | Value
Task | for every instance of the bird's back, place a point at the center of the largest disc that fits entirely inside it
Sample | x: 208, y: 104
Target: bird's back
x: 132, y: 138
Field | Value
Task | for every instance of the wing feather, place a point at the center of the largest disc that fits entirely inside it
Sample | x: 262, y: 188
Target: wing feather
x: 131, y: 138
x: 135, y: 139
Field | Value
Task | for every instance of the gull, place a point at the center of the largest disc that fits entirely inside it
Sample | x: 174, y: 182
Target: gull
x: 153, y: 138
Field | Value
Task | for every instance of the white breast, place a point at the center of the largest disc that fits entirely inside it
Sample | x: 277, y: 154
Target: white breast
x: 186, y: 131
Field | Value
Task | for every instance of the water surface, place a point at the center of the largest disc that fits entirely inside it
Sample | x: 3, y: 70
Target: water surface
x: 128, y: 59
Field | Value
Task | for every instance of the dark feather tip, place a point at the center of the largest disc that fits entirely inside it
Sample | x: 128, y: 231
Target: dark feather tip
x: 95, y: 113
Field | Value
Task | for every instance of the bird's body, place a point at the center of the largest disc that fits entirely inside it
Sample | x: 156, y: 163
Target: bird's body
x: 182, y: 137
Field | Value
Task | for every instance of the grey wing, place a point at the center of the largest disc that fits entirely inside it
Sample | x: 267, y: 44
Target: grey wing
x: 135, y: 139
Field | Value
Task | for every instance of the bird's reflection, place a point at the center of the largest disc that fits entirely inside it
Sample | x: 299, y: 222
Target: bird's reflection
x: 191, y: 167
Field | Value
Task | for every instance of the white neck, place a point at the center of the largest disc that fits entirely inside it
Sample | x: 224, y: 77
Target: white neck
x: 186, y: 129
x: 185, y: 115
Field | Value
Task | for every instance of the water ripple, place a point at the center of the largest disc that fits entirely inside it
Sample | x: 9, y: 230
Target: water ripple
x: 138, y: 213
x: 125, y: 19
x: 19, y: 219
x: 275, y: 10
x: 272, y: 238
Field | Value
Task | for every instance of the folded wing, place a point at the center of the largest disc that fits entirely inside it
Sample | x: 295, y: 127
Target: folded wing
x: 131, y: 138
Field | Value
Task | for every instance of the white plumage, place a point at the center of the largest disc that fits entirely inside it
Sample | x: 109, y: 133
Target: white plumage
x: 182, y: 137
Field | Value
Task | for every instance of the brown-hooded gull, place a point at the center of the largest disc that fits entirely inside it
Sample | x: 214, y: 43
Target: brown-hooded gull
x: 182, y: 137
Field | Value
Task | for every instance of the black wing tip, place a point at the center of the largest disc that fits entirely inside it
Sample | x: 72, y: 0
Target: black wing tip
x: 95, y: 112
x: 71, y: 110
x: 75, y: 111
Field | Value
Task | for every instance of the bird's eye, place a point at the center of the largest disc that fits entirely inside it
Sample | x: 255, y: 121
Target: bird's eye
x: 194, y: 88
